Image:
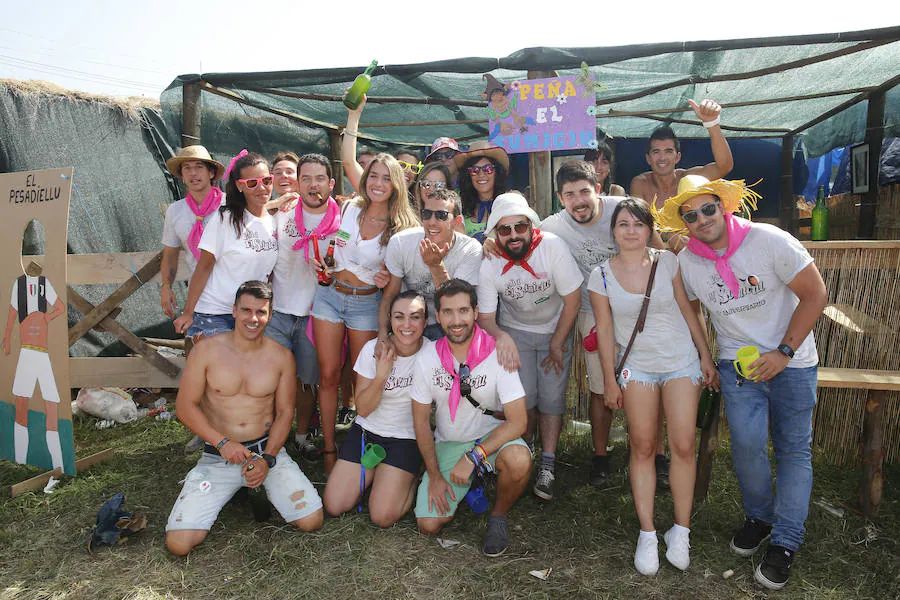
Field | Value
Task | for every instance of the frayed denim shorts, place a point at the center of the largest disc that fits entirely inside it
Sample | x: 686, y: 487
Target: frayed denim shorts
x: 210, y: 325
x: 650, y: 379
x: 356, y: 312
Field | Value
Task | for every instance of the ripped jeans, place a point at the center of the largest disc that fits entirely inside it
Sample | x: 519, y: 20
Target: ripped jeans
x: 212, y: 483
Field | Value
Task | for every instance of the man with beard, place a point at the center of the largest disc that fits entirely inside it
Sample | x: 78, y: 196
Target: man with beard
x: 422, y: 258
x: 237, y: 394
x: 313, y: 222
x: 584, y: 225
x: 461, y: 376
x: 539, y: 286
x: 664, y: 151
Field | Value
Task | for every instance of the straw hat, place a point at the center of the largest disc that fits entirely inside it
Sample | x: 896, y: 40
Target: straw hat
x: 508, y: 205
x: 482, y: 148
x: 193, y: 153
x: 735, y: 196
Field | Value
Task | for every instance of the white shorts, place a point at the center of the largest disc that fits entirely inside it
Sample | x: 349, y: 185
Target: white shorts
x: 33, y: 368
x: 591, y: 359
x: 212, y: 483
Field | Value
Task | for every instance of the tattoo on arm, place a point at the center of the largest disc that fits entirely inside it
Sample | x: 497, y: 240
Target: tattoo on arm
x: 172, y: 272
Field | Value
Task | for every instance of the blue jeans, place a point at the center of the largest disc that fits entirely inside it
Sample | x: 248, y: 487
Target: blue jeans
x: 783, y: 405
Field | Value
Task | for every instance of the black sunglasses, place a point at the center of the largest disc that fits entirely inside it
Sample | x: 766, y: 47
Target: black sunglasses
x: 440, y: 215
x: 505, y: 230
x: 465, y: 388
x: 708, y: 210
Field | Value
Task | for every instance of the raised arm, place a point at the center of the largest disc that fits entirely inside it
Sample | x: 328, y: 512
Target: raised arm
x: 352, y: 168
x: 709, y: 112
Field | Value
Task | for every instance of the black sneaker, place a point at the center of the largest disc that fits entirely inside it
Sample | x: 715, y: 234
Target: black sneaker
x: 751, y: 536
x: 775, y: 569
x: 599, y: 471
x: 662, y: 471
x: 543, y: 484
x: 345, y: 418
x: 497, y: 539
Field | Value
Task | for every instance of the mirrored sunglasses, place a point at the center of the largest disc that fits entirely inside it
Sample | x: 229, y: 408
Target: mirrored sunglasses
x: 432, y: 186
x: 252, y: 183
x: 505, y: 230
x: 487, y: 169
x: 440, y: 215
x: 708, y: 210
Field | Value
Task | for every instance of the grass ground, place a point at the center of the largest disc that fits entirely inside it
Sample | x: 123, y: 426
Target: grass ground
x: 586, y: 536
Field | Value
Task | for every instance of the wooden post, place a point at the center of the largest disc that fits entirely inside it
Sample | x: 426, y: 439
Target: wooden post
x: 873, y: 453
x: 874, y: 137
x: 337, y: 165
x: 787, y: 214
x: 190, y: 113
x: 709, y: 442
x: 540, y: 169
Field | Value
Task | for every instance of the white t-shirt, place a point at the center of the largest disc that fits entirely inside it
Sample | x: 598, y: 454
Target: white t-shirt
x: 31, y: 294
x: 589, y: 244
x: 178, y: 223
x: 526, y: 303
x: 764, y: 264
x: 404, y: 261
x: 238, y: 259
x: 492, y: 386
x: 665, y: 344
x: 393, y: 415
x: 361, y: 257
x: 294, y: 281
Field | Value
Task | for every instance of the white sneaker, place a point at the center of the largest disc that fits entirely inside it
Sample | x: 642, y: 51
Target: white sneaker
x: 646, y: 557
x: 678, y: 548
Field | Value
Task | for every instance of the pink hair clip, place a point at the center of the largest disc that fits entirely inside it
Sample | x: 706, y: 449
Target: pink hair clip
x: 240, y: 154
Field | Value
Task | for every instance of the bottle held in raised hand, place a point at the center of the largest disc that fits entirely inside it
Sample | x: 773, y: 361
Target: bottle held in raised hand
x: 360, y: 86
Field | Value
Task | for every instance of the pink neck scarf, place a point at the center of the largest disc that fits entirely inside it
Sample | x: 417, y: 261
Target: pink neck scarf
x: 329, y: 224
x: 480, y: 347
x: 737, y: 229
x: 212, y: 201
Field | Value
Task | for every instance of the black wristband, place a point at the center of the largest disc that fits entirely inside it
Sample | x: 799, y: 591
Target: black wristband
x: 786, y: 350
x: 270, y: 460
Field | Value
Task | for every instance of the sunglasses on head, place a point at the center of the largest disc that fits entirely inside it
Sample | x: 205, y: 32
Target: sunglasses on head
x: 412, y: 168
x: 255, y: 181
x: 429, y: 186
x: 486, y: 169
x: 440, y: 215
x: 444, y: 155
x: 465, y: 388
x: 505, y: 230
x: 708, y: 210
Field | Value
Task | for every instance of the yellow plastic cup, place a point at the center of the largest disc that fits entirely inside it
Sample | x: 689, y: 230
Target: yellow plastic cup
x: 746, y: 356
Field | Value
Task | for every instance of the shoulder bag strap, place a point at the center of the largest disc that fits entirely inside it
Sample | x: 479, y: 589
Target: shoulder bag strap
x: 642, y: 316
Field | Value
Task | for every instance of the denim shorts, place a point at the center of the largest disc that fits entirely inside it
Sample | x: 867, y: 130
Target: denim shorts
x: 290, y: 332
x: 659, y: 379
x: 359, y: 313
x: 210, y: 325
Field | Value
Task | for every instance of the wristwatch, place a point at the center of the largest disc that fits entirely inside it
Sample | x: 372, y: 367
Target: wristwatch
x: 786, y: 350
x: 270, y: 460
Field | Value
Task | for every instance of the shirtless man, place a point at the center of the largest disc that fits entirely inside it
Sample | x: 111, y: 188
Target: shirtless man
x: 237, y: 393
x: 28, y: 305
x: 664, y: 151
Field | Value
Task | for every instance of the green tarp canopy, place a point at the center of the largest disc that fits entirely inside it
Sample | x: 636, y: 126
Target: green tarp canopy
x: 811, y: 86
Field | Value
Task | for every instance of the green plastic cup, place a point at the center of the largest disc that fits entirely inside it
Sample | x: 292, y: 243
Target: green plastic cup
x: 746, y: 356
x: 373, y: 455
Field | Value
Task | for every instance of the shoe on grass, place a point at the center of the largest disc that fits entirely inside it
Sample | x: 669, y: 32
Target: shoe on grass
x: 195, y: 444
x: 646, y: 556
x: 775, y: 569
x: 345, y: 418
x: 678, y: 548
x: 306, y: 447
x: 662, y: 471
x: 496, y: 541
x: 543, y: 484
x: 599, y: 471
x: 751, y: 536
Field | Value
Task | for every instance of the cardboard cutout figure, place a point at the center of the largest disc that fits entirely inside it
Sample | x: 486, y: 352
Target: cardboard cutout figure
x: 35, y: 415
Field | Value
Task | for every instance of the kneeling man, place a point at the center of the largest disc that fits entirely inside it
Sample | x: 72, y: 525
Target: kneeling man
x: 470, y: 390
x: 237, y: 393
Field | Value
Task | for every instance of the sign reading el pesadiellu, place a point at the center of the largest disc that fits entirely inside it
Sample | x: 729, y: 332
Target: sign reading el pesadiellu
x: 33, y: 192
x: 541, y: 114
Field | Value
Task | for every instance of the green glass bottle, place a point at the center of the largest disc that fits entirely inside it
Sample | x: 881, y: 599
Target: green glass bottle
x: 819, y: 227
x: 360, y: 86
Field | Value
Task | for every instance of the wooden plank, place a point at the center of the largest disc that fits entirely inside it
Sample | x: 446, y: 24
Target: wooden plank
x: 120, y: 371
x: 41, y: 480
x: 90, y: 269
x: 853, y: 244
x: 126, y: 337
x: 872, y: 454
x: 192, y: 108
x: 104, y: 308
x: 856, y: 320
x: 859, y: 379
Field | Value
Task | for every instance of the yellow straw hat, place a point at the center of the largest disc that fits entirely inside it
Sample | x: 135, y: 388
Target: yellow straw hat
x: 194, y: 153
x: 735, y: 196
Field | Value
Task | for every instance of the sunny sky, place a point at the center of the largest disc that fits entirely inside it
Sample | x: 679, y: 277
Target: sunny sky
x: 126, y: 49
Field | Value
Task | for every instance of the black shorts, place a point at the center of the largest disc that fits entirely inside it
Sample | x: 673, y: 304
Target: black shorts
x: 401, y: 453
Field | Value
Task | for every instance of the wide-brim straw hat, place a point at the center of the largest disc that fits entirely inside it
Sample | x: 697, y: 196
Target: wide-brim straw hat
x: 482, y: 148
x: 193, y: 153
x: 735, y: 196
x: 507, y: 205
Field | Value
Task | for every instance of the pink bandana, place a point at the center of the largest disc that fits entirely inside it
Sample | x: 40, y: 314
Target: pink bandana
x: 481, y: 346
x: 329, y: 224
x: 212, y: 201
x: 738, y: 229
